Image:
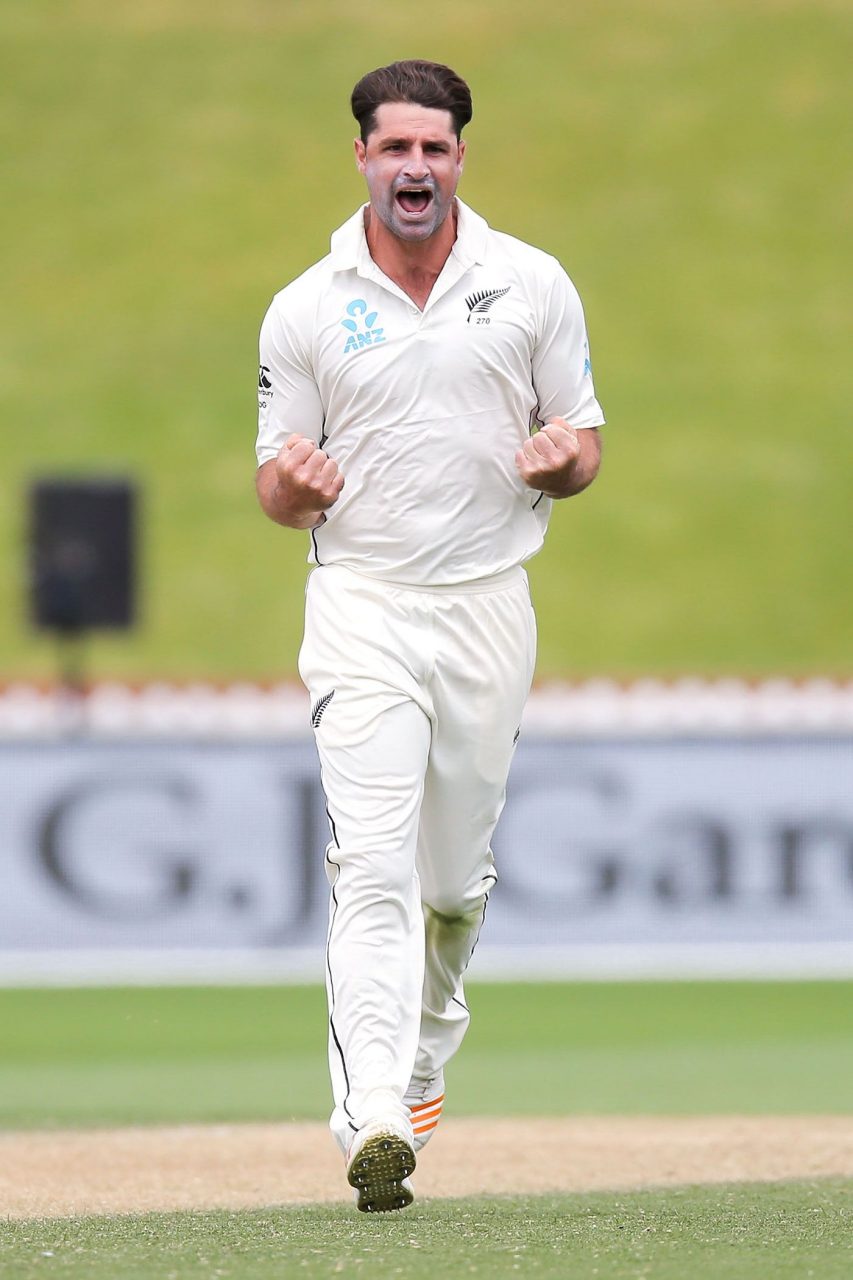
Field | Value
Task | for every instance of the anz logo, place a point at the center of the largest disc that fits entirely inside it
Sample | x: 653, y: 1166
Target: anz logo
x: 361, y: 324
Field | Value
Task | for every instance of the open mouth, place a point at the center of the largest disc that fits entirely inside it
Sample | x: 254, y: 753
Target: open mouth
x: 414, y: 199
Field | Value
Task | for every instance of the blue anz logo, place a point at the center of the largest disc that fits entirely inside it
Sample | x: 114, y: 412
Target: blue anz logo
x: 587, y: 367
x: 361, y: 324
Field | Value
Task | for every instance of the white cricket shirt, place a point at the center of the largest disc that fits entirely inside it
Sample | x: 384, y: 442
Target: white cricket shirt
x: 424, y: 410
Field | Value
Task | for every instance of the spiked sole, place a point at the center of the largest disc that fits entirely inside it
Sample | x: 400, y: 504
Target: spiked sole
x: 377, y: 1173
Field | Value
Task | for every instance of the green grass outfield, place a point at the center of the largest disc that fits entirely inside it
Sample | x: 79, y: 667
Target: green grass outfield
x: 779, y: 1232
x: 169, y: 166
x: 107, y: 1056
x: 123, y: 1056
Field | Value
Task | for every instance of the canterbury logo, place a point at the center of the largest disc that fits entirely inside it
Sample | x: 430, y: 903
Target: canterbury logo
x: 479, y: 303
x: 319, y: 707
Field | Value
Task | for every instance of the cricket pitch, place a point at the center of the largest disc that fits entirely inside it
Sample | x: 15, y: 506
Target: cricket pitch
x: 194, y: 1167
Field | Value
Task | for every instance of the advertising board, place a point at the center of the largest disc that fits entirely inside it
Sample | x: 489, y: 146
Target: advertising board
x: 693, y: 851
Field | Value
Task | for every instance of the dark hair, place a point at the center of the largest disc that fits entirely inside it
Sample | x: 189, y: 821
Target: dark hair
x: 426, y: 84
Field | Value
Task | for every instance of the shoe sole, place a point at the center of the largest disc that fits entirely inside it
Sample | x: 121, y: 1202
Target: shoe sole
x: 377, y: 1173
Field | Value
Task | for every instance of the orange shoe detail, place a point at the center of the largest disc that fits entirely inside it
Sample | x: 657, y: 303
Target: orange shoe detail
x: 423, y: 1106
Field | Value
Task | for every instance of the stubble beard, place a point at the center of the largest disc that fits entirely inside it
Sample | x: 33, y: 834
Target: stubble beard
x: 413, y: 233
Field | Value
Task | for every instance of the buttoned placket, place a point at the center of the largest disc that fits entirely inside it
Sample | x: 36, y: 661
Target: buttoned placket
x: 451, y: 273
x: 463, y: 255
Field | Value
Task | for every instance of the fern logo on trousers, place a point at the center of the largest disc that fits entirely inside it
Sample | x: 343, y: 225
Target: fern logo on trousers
x: 319, y: 707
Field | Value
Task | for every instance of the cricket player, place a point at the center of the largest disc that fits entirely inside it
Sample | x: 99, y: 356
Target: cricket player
x: 425, y: 396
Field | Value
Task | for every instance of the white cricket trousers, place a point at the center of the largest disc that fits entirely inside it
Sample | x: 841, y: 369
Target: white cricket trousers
x: 416, y: 699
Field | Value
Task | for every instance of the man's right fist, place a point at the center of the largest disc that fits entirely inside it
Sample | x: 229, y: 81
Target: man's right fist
x: 309, y: 479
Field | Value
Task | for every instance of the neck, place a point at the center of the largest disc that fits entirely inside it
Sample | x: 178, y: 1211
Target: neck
x: 415, y: 265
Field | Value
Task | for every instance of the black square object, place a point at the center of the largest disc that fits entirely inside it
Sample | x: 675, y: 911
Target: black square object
x: 82, y: 553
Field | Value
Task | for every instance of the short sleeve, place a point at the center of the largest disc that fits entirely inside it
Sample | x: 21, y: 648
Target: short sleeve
x: 562, y: 372
x: 288, y: 396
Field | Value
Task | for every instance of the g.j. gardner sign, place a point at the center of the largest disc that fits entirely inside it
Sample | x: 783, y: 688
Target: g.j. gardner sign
x: 603, y: 844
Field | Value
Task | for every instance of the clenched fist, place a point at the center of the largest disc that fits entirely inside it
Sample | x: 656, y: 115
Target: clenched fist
x: 300, y: 484
x: 547, y: 460
x: 308, y: 478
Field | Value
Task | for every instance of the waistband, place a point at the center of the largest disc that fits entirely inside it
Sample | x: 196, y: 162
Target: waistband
x: 495, y: 582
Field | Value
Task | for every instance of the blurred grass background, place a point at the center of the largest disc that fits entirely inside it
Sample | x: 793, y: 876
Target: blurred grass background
x: 169, y: 166
x: 177, y: 1055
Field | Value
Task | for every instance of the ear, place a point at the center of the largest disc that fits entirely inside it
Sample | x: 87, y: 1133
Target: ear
x: 360, y: 154
x: 460, y: 155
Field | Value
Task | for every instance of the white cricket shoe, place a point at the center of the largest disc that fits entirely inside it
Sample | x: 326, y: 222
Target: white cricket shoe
x: 425, y: 1098
x: 379, y: 1162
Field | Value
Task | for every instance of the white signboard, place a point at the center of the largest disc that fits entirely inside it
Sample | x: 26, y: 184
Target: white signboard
x: 606, y: 849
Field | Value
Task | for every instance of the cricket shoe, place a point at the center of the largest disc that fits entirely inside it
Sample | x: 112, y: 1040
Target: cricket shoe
x: 425, y: 1098
x: 379, y: 1163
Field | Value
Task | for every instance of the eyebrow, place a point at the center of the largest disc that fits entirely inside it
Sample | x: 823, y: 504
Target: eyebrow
x: 428, y: 142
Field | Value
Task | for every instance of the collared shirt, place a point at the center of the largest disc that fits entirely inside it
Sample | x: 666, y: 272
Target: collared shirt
x: 424, y: 410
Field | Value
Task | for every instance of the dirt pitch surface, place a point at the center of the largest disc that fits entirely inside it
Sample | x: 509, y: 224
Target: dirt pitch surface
x: 249, y: 1166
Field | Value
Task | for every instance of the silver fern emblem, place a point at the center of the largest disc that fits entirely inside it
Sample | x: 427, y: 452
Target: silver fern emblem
x: 479, y: 303
x: 319, y: 707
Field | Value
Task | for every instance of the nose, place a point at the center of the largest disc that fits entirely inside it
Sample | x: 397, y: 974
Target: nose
x: 416, y: 165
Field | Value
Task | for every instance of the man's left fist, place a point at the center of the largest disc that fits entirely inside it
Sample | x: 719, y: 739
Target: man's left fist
x: 546, y: 461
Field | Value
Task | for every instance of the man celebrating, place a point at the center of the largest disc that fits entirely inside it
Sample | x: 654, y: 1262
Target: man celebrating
x: 425, y: 393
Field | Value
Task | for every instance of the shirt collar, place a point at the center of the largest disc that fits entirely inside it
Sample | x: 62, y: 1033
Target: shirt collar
x: 349, y: 243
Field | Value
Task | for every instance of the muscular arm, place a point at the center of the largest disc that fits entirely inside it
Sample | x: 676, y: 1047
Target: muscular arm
x: 558, y: 460
x: 298, y: 486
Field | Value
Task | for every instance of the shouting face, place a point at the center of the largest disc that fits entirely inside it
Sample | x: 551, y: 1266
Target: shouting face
x: 411, y: 161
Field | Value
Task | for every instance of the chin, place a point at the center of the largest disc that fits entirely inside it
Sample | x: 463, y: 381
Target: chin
x: 417, y: 231
x: 407, y: 232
